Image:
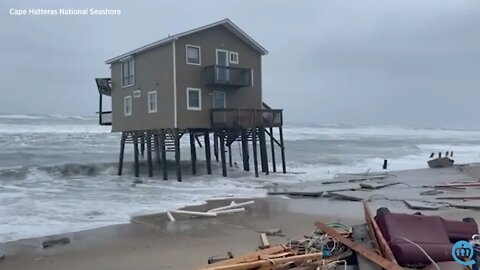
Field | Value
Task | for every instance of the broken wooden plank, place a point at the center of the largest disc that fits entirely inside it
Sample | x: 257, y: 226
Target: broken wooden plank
x: 465, y: 204
x: 266, y: 263
x: 253, y: 256
x: 422, y: 205
x: 475, y: 184
x: 264, y: 240
x: 377, y: 234
x: 377, y: 185
x: 194, y: 213
x: 231, y: 206
x: 366, y: 252
x: 459, y: 198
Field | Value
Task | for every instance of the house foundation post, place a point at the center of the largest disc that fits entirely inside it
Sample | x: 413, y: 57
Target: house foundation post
x: 193, y: 152
x: 122, y: 149
x: 222, y: 153
x: 245, y: 152
x: 254, y: 143
x: 272, y: 146
x: 282, y: 150
x: 177, y: 155
x: 208, y: 157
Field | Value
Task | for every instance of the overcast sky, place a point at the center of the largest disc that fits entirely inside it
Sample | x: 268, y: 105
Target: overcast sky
x: 411, y: 63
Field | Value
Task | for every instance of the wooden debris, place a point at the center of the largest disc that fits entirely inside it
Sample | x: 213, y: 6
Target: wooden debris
x: 264, y: 241
x: 170, y: 216
x: 462, y: 198
x: 361, y: 236
x: 366, y: 252
x: 456, y: 185
x: 231, y: 206
x: 376, y: 234
x: 251, y: 257
x: 230, y: 211
x: 267, y: 263
x: 194, y: 213
x: 53, y: 242
x: 2, y: 256
x: 431, y: 192
x: 377, y: 185
x: 422, y: 205
x: 273, y: 232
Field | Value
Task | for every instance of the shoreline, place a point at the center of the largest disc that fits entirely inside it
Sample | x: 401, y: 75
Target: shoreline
x: 153, y: 242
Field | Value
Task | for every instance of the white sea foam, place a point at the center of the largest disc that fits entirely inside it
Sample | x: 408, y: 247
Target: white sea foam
x: 80, y: 190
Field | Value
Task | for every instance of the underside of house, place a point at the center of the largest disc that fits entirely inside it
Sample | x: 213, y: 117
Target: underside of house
x: 229, y: 125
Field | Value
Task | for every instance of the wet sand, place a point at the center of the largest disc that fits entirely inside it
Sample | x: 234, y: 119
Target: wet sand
x: 153, y: 242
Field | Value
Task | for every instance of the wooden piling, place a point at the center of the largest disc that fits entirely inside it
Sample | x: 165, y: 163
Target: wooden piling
x: 122, y: 149
x: 157, y: 148
x: 245, y: 152
x: 142, y: 145
x: 135, y: 153
x: 230, y: 155
x: 263, y: 150
x: 272, y: 146
x: 282, y: 149
x: 177, y: 154
x: 193, y: 152
x: 222, y: 153
x: 149, y: 154
x: 254, y: 143
x: 208, y: 157
x: 164, y: 155
x: 215, y: 145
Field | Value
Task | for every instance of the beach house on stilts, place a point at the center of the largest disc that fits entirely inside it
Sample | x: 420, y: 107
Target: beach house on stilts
x: 207, y: 83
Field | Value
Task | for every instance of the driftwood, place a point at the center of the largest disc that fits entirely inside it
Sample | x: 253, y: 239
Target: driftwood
x: 264, y: 241
x: 53, y: 242
x: 366, y: 252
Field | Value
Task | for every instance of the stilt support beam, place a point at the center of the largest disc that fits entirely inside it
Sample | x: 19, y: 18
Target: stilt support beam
x: 193, y: 152
x: 177, y: 154
x: 222, y: 154
x: 208, y: 157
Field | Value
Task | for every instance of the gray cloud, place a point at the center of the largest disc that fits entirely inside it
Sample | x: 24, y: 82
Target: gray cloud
x: 410, y: 63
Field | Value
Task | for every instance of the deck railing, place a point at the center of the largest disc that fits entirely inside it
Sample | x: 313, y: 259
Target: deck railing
x: 246, y: 118
x: 227, y: 76
x: 105, y: 118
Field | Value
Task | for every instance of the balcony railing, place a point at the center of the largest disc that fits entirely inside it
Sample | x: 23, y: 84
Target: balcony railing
x: 246, y: 118
x: 105, y: 118
x: 228, y: 76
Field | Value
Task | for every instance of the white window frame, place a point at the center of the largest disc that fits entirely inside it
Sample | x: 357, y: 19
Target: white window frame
x: 127, y: 99
x: 199, y: 55
x: 230, y: 54
x: 149, y: 100
x: 199, y: 99
x: 121, y: 70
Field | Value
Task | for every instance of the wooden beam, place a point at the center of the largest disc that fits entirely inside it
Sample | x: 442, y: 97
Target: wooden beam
x: 282, y: 150
x: 135, y: 155
x: 222, y: 154
x: 376, y: 234
x: 264, y: 240
x: 230, y: 156
x: 272, y: 147
x: 263, y: 150
x: 193, y: 152
x: 122, y: 150
x: 245, y: 151
x: 365, y: 252
x: 177, y: 154
x: 254, y: 142
x: 208, y: 156
x: 164, y: 155
x: 215, y: 145
x: 252, y: 256
x: 149, y: 154
x: 271, y: 262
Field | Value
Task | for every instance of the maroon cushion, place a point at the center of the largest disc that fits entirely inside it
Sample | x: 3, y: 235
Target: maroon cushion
x: 459, y: 230
x: 426, y: 231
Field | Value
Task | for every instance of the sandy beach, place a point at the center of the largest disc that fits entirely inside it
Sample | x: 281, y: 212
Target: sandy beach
x: 153, y: 242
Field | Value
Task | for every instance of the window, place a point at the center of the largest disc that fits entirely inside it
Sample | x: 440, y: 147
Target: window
x: 137, y: 93
x: 127, y: 105
x: 234, y: 57
x: 128, y: 73
x: 152, y: 102
x: 193, y: 55
x: 194, y: 99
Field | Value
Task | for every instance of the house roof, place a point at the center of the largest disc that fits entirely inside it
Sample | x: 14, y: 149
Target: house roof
x: 226, y: 23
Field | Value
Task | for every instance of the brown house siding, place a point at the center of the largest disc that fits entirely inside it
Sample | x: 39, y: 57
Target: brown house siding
x: 193, y: 76
x: 153, y: 72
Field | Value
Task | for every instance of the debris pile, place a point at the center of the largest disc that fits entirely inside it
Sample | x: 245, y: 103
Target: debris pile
x: 387, y: 241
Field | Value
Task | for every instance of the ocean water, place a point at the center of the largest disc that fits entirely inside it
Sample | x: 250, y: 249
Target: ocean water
x: 58, y: 173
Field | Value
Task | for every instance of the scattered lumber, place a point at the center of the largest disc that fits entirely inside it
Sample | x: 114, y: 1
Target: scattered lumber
x: 422, y: 205
x: 268, y: 263
x: 194, y: 213
x: 264, y: 241
x: 251, y: 257
x: 462, y: 198
x: 456, y: 185
x: 231, y: 206
x: 377, y: 185
x: 366, y: 252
